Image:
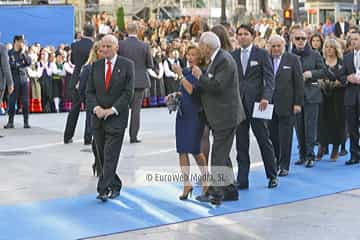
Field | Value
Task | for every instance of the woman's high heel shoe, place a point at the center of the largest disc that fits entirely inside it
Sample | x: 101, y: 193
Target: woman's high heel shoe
x: 187, y: 192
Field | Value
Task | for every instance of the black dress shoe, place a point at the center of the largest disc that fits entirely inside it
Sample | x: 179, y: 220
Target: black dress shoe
x: 114, y: 194
x: 215, y: 200
x: 300, y: 162
x: 135, y: 141
x: 103, y: 197
x: 309, y: 163
x: 352, y: 161
x: 273, y: 183
x: 26, y: 125
x: 68, y: 141
x: 283, y: 173
x: 9, y: 125
x: 230, y: 193
x: 242, y: 186
x: 203, y: 198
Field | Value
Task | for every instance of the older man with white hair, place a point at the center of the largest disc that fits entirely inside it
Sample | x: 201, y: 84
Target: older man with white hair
x: 288, y: 98
x: 218, y: 88
x: 109, y: 93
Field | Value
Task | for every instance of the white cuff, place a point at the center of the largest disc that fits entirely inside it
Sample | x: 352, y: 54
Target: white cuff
x: 115, y: 111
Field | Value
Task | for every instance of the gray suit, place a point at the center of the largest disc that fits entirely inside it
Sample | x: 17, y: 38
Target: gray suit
x: 139, y: 52
x: 5, y: 72
x: 307, y: 120
x: 220, y: 97
x: 289, y: 91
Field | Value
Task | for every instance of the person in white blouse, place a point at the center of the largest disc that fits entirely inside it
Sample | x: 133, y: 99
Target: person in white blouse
x: 58, y: 73
x: 156, y: 78
x: 45, y: 72
x: 171, y: 78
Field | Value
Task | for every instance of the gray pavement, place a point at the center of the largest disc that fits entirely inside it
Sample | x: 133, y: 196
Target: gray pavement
x: 54, y: 170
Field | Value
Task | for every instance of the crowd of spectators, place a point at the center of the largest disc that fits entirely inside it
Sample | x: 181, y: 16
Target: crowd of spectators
x: 51, y: 68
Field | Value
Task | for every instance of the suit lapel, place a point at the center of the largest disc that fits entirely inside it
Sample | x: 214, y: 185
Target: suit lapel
x: 238, y: 61
x: 281, y: 64
x: 252, y: 53
x: 102, y: 76
x: 115, y: 70
x: 213, y: 63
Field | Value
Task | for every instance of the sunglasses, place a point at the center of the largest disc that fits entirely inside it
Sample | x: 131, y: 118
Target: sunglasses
x: 300, y: 38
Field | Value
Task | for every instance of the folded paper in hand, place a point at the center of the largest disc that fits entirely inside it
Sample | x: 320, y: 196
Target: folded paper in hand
x: 266, y: 114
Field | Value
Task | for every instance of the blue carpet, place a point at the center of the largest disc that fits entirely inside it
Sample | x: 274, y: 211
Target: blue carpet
x: 145, y: 207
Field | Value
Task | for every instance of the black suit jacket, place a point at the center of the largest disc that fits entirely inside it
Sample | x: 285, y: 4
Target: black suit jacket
x: 338, y: 31
x: 119, y: 94
x: 79, y: 55
x: 352, y: 91
x: 289, y: 85
x: 140, y: 53
x: 258, y: 82
x: 218, y: 88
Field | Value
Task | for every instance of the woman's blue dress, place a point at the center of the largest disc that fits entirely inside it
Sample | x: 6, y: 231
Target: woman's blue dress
x: 189, y: 127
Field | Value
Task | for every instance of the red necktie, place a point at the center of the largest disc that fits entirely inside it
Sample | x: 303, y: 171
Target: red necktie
x: 108, y: 75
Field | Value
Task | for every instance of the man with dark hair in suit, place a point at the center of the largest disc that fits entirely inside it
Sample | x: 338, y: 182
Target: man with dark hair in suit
x: 140, y: 53
x: 256, y: 81
x: 287, y: 99
x: 109, y: 92
x: 220, y: 98
x: 351, y: 79
x: 19, y: 61
x: 79, y: 54
x: 341, y: 28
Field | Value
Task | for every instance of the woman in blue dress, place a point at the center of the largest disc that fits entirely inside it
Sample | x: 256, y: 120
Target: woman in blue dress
x: 189, y: 127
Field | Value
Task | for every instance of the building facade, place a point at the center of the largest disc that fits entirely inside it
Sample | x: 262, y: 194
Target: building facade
x: 318, y: 11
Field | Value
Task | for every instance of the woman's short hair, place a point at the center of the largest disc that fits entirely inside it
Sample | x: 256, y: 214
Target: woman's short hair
x: 194, y: 46
x: 333, y: 43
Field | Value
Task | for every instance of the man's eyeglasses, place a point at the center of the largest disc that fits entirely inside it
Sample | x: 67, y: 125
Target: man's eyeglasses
x: 300, y: 38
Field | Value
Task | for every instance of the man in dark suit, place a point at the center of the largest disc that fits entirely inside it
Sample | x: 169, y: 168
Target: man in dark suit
x: 307, y: 121
x: 220, y: 98
x: 79, y: 54
x: 19, y: 61
x: 341, y: 28
x: 109, y: 92
x: 6, y: 80
x: 287, y: 99
x: 139, y: 52
x: 351, y: 79
x: 256, y: 80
